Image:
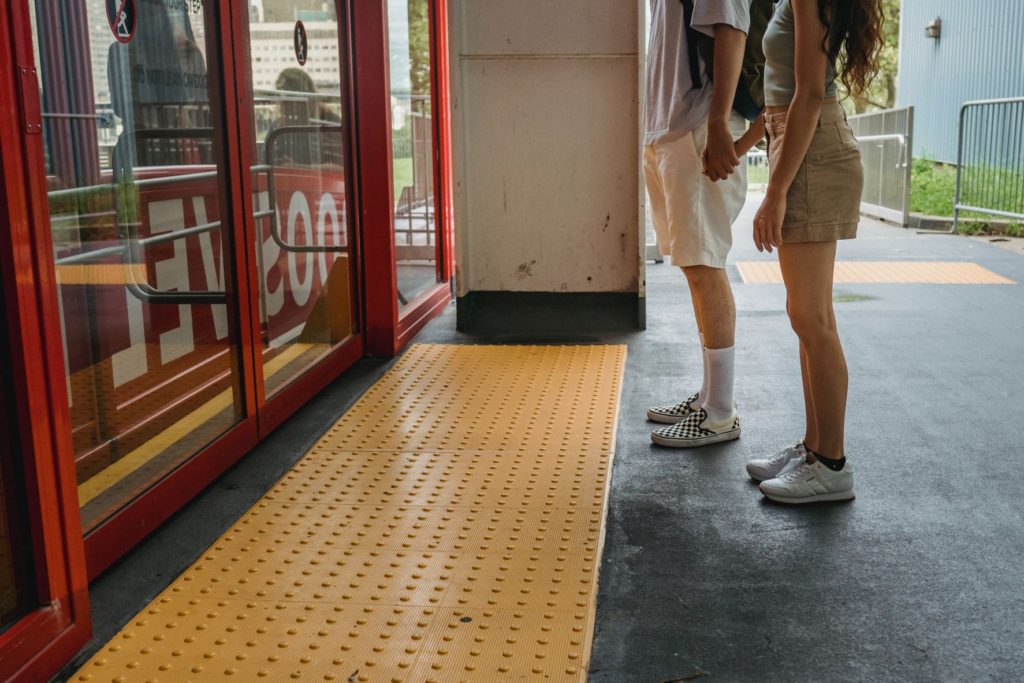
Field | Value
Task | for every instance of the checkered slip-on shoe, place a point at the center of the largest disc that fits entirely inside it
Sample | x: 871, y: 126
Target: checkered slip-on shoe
x: 696, y: 430
x: 671, y: 414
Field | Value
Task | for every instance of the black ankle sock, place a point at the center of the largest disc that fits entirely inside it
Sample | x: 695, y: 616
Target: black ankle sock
x: 834, y: 464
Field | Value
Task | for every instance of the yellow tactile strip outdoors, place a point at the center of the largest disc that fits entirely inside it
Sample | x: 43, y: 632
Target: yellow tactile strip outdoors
x: 447, y: 528
x: 887, y: 272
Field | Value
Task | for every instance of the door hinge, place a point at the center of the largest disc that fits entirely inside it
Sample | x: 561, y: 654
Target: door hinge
x: 28, y: 87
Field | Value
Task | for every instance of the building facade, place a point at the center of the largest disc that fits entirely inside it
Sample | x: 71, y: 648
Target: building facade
x: 977, y: 54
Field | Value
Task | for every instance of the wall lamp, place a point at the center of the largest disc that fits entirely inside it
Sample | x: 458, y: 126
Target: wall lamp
x: 933, y: 29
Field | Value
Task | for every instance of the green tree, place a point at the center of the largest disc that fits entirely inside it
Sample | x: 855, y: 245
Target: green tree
x: 419, y: 52
x: 881, y: 94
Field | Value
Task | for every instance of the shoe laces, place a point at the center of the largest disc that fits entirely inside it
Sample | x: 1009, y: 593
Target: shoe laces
x: 797, y: 473
x: 784, y: 455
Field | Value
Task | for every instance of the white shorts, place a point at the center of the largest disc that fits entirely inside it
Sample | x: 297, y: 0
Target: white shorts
x: 692, y: 215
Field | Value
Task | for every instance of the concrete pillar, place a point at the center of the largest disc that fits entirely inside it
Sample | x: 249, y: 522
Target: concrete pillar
x: 546, y: 146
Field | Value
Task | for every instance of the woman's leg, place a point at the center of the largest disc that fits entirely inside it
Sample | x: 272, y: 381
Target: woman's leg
x: 810, y: 422
x: 811, y: 430
x: 807, y: 270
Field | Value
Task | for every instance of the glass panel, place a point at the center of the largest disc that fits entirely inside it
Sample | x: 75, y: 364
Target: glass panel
x: 15, y: 598
x: 134, y: 163
x: 10, y: 597
x: 412, y: 142
x: 303, y: 234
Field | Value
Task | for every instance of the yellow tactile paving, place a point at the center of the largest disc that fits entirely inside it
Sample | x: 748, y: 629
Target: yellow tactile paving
x: 887, y: 272
x: 102, y: 273
x: 447, y: 528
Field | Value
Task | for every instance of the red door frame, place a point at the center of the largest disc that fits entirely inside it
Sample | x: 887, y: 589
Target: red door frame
x: 125, y: 528
x: 388, y: 330
x: 43, y: 640
x: 275, y: 410
x: 39, y: 643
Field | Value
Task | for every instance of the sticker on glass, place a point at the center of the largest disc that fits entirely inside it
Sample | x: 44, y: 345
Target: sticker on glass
x: 121, y: 18
x: 301, y: 43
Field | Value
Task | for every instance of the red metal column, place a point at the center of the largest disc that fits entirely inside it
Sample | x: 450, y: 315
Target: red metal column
x: 373, y: 123
x: 36, y: 646
x: 442, y: 100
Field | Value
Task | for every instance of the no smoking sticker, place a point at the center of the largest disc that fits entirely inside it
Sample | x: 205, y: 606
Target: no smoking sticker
x: 121, y: 17
x: 301, y: 43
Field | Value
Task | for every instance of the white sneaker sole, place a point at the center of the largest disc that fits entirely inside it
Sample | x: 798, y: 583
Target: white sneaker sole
x: 760, y: 475
x: 694, y: 443
x: 819, y: 498
x: 664, y: 419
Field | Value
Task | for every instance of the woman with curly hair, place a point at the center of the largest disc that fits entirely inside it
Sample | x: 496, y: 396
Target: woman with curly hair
x: 813, y: 200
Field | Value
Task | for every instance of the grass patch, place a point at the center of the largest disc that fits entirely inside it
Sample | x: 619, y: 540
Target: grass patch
x: 933, y: 191
x: 757, y: 175
x: 932, y: 188
x: 403, y: 174
x: 851, y: 298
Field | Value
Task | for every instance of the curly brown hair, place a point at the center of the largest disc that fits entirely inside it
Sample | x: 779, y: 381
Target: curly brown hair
x: 853, y: 39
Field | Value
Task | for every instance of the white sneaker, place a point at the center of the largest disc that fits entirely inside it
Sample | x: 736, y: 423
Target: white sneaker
x: 810, y: 483
x: 674, y: 413
x: 697, y: 430
x: 763, y: 469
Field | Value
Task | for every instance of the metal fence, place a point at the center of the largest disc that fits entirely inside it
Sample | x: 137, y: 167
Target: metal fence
x: 886, y: 144
x: 990, y: 159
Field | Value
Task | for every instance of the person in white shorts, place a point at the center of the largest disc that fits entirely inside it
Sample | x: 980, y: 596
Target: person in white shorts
x: 697, y: 186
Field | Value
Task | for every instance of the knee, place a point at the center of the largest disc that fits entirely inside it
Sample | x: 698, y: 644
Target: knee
x: 812, y: 325
x: 702, y: 277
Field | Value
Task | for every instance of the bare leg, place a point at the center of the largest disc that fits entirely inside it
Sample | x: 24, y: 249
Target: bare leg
x: 807, y: 269
x: 811, y: 430
x: 696, y: 308
x: 810, y: 422
x: 713, y: 305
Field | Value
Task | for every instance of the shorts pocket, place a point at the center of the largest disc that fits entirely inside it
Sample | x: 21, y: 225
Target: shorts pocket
x: 832, y: 143
x: 834, y: 187
x: 847, y: 140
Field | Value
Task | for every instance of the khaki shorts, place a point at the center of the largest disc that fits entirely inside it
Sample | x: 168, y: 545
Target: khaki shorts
x: 692, y: 215
x: 823, y: 203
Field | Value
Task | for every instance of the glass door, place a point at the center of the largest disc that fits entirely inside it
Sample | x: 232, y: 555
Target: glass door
x: 16, y: 596
x: 299, y: 144
x: 414, y: 161
x: 135, y: 157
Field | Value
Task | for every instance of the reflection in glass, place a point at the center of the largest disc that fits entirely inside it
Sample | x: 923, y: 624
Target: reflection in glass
x: 412, y: 144
x: 303, y: 244
x: 136, y: 192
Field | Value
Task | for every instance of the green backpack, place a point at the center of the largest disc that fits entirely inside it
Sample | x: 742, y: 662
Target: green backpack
x: 749, y: 99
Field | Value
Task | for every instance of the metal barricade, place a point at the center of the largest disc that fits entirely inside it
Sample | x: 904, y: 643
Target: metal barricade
x: 990, y: 159
x: 886, y: 144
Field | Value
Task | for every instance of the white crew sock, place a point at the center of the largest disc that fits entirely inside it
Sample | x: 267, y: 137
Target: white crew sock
x: 702, y: 395
x: 719, y: 403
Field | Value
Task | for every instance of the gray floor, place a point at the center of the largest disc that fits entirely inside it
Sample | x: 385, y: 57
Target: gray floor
x: 919, y: 579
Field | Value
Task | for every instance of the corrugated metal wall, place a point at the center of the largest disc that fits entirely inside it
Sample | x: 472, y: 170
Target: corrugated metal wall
x: 979, y: 56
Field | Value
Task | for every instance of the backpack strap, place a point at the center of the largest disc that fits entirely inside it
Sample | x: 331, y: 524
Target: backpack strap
x: 693, y: 55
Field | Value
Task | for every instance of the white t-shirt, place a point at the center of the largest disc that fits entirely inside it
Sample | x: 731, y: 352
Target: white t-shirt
x: 672, y: 107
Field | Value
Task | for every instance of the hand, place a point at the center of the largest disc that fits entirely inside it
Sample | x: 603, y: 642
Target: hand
x: 719, y: 156
x: 768, y: 222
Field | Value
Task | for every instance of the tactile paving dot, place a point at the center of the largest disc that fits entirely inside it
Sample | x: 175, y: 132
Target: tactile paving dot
x: 411, y: 527
x: 447, y: 528
x: 179, y: 638
x: 458, y: 479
